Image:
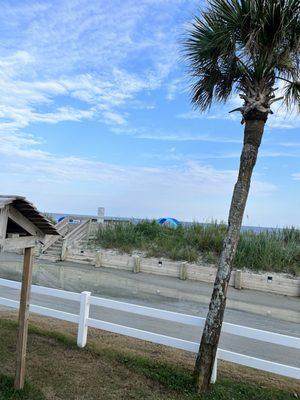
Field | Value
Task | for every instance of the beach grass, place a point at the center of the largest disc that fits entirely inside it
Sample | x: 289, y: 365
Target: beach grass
x: 269, y: 250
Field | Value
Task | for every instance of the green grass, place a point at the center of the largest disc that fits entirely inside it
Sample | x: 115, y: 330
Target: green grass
x: 180, y: 380
x: 7, y: 391
x: 277, y: 251
x: 53, y: 352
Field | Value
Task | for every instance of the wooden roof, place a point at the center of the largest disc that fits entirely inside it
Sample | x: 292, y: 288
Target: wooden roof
x: 30, y: 212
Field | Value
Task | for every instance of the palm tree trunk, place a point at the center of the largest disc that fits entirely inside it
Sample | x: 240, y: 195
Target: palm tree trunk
x: 254, y: 128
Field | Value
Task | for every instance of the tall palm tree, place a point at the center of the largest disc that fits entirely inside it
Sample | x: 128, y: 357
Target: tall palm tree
x: 247, y: 47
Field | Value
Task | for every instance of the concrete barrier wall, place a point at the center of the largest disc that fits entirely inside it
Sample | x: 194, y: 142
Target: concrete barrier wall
x: 269, y: 282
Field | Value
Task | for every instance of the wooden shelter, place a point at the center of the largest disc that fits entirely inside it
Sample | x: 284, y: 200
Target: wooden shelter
x: 22, y: 227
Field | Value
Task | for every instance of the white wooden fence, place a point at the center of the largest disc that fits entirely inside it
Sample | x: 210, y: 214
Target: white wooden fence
x: 84, y: 322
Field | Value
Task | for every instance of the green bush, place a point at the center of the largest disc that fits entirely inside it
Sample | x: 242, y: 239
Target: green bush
x: 273, y: 250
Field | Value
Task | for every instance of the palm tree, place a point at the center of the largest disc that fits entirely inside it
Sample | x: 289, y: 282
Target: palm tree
x: 247, y: 47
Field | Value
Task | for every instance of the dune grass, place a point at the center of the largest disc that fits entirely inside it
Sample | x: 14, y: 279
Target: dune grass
x: 273, y: 250
x: 115, y: 367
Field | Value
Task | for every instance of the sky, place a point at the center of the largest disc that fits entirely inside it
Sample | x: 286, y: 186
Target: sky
x: 95, y: 111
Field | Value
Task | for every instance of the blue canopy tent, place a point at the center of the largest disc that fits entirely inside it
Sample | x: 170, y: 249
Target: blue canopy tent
x: 169, y: 221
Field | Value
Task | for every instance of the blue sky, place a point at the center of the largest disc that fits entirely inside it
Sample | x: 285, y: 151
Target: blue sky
x: 95, y: 111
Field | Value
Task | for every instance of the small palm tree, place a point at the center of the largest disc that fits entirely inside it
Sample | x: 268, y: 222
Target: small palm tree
x: 248, y: 47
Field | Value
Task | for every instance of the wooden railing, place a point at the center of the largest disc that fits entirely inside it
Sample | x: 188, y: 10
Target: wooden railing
x: 80, y: 232
x: 62, y: 228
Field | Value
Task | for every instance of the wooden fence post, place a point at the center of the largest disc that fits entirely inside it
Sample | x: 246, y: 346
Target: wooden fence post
x: 98, y: 259
x: 62, y: 277
x: 136, y: 264
x: 238, y: 279
x: 183, y: 271
x: 23, y: 318
x: 83, y: 316
x: 64, y: 250
x: 89, y: 231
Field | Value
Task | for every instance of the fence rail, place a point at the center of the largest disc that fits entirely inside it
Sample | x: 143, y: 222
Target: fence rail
x: 84, y: 322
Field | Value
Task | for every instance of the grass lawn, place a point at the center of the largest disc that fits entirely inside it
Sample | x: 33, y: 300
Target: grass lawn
x: 116, y: 367
x: 7, y: 391
x: 277, y: 251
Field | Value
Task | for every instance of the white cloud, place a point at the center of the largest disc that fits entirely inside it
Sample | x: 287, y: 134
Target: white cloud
x: 189, y: 189
x: 283, y: 119
x: 21, y: 155
x: 176, y: 156
x: 275, y: 154
x: 113, y: 117
x: 83, y: 50
x: 118, y: 31
x: 143, y: 133
x: 20, y: 99
x: 176, y: 86
x: 205, y: 115
x: 289, y: 144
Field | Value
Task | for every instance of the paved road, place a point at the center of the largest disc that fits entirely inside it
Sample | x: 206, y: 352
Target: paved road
x: 253, y: 348
x: 116, y: 283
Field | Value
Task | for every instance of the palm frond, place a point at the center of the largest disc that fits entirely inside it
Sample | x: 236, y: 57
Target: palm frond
x: 238, y: 43
x: 292, y: 94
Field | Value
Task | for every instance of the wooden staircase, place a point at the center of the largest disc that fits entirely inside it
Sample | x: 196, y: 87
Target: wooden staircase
x: 55, y: 248
x: 54, y: 251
